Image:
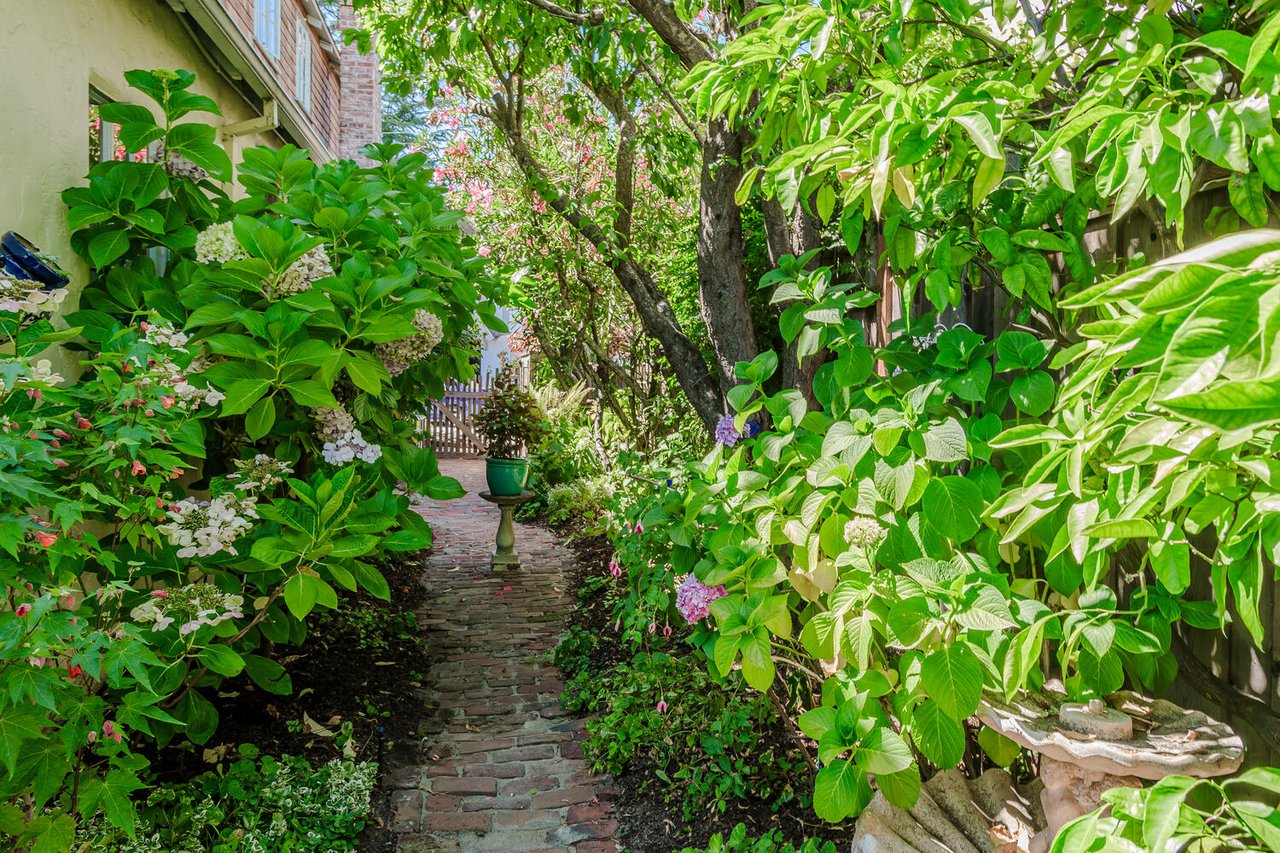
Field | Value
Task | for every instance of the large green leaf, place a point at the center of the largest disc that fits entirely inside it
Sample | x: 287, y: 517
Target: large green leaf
x: 952, y: 677
x: 840, y: 791
x: 1232, y: 405
x: 952, y: 506
x: 938, y: 736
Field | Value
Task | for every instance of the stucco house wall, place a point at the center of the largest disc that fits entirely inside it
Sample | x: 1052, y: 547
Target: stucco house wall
x: 54, y: 51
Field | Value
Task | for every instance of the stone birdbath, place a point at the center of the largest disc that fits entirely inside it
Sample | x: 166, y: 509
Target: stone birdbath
x: 1087, y: 748
x: 504, y: 554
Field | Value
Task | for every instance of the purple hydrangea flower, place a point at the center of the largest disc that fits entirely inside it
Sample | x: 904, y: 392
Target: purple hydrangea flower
x: 726, y: 433
x: 693, y: 598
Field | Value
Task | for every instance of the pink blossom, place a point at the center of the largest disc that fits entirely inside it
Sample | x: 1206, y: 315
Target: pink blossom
x: 160, y: 593
x: 138, y: 468
x: 693, y: 598
x: 484, y: 251
x: 93, y: 736
x: 615, y: 569
x: 662, y: 706
x: 666, y: 630
x: 22, y: 610
x: 109, y: 730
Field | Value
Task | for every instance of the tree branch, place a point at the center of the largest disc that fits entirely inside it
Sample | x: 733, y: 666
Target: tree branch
x: 591, y: 18
x: 674, y: 33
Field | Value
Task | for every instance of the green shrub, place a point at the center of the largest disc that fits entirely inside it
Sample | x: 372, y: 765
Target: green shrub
x: 256, y: 805
x: 235, y: 451
x: 770, y: 842
x: 702, y: 737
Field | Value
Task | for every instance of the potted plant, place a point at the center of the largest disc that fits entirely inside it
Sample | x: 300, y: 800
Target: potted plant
x: 510, y: 420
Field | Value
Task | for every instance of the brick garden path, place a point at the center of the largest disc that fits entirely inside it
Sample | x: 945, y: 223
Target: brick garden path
x: 503, y: 767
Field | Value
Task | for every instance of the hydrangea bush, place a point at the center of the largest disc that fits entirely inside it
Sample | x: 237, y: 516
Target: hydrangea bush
x: 234, y: 453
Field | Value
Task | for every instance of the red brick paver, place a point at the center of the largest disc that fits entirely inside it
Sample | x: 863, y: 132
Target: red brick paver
x: 503, y: 768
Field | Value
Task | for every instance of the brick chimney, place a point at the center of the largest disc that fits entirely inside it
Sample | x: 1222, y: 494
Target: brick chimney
x: 360, y: 115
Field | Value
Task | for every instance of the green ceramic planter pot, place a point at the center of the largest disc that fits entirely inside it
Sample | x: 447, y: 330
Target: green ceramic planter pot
x: 506, y: 476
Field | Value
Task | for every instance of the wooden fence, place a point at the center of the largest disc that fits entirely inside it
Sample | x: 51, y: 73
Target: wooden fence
x: 450, y: 421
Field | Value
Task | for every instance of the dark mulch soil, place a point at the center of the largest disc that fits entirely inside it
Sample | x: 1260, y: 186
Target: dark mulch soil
x: 360, y: 664
x: 648, y: 823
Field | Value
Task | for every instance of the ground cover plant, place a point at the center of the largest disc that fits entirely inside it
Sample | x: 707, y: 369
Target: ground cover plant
x: 235, y: 451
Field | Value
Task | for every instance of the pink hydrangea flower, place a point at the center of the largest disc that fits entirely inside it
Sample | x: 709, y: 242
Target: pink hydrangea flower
x: 693, y: 598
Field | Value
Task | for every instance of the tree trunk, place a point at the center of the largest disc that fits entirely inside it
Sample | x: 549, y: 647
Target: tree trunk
x: 721, y: 273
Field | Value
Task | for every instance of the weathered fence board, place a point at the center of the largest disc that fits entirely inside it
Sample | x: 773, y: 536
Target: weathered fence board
x: 450, y: 421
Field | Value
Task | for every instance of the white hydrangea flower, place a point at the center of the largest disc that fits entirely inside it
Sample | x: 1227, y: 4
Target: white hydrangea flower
x: 259, y: 473
x: 40, y: 372
x: 192, y: 397
x: 304, y: 272
x: 332, y: 424
x: 349, y: 447
x: 863, y: 531
x: 218, y: 244
x: 196, y: 604
x: 204, y: 528
x: 161, y: 335
x: 399, y: 356
x: 28, y: 297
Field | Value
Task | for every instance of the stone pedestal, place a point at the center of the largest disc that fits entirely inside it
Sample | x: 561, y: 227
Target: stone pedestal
x: 504, y: 552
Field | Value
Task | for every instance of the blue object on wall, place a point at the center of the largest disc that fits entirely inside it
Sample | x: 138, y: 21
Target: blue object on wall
x: 21, y: 259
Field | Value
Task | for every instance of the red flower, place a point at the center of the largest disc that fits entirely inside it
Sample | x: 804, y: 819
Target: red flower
x: 61, y: 433
x: 22, y: 610
x: 167, y: 401
x: 46, y: 539
x: 83, y: 423
x: 74, y: 669
x: 138, y: 468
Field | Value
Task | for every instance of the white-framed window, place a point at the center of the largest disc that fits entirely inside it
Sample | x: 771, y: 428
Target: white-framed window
x: 302, y: 63
x: 266, y: 26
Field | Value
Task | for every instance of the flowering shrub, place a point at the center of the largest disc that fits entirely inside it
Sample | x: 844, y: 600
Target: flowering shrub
x: 257, y: 805
x: 853, y: 550
x: 233, y: 454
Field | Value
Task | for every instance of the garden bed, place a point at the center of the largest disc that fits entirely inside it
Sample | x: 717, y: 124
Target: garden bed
x: 361, y: 664
x: 649, y: 821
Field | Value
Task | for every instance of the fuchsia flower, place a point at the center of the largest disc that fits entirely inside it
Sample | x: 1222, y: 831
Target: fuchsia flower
x: 22, y: 610
x: 693, y: 598
x: 639, y: 528
x: 615, y: 569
